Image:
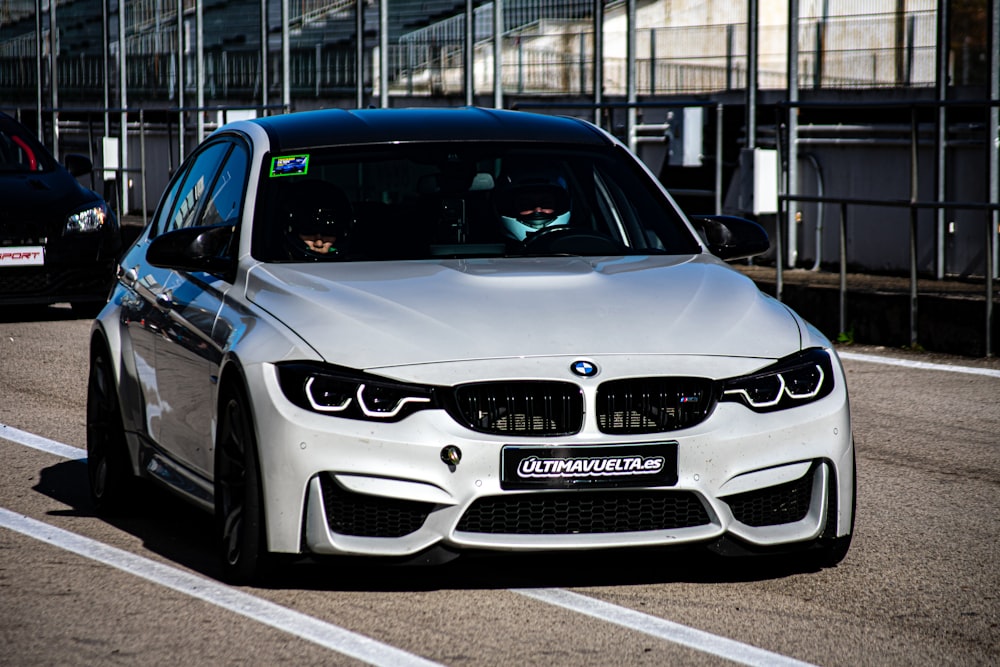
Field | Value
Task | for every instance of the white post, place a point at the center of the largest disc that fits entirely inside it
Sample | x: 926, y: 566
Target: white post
x: 123, y: 104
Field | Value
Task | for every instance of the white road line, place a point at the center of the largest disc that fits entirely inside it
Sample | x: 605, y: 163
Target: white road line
x: 311, y: 629
x: 43, y: 444
x: 660, y: 628
x: 921, y: 365
x: 341, y: 640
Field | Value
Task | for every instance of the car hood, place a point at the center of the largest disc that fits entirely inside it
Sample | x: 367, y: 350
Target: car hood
x: 378, y: 314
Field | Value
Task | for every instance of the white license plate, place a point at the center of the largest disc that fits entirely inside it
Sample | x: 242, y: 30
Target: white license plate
x: 642, y: 464
x: 22, y: 256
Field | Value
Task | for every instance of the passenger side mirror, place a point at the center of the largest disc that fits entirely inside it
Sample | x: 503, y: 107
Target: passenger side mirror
x: 194, y: 249
x: 729, y: 237
x: 78, y: 165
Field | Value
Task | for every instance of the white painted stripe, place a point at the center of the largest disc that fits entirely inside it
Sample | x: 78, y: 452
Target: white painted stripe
x: 317, y: 631
x: 660, y: 628
x: 40, y: 443
x: 311, y: 629
x: 921, y: 365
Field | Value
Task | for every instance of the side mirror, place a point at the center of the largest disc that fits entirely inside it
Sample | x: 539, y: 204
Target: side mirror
x: 193, y: 249
x: 78, y: 165
x: 728, y: 237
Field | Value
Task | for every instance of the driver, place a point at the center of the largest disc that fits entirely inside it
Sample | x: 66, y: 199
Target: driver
x: 531, y: 200
x: 318, y: 219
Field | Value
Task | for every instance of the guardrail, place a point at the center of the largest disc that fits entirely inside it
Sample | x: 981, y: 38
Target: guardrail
x: 914, y: 207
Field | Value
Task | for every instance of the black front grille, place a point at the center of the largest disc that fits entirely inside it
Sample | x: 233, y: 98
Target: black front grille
x: 15, y: 230
x: 653, y: 405
x: 520, y: 408
x: 775, y: 505
x: 42, y: 280
x: 583, y: 512
x: 350, y: 513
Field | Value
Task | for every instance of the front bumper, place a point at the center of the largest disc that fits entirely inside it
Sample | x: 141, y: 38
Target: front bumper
x: 79, y: 268
x: 339, y: 486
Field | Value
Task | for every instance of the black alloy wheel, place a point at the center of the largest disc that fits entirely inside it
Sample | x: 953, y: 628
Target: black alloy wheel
x: 239, y: 512
x: 108, y: 465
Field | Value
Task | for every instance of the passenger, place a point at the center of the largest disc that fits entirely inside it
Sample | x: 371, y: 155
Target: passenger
x: 318, y: 220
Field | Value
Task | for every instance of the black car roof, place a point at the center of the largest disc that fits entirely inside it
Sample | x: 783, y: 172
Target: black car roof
x: 335, y: 127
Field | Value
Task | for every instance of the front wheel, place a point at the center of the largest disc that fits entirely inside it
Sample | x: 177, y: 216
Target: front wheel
x: 239, y: 507
x: 112, y: 484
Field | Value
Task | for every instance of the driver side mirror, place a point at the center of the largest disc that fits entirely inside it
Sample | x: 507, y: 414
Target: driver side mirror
x: 78, y: 165
x: 194, y: 249
x: 728, y: 237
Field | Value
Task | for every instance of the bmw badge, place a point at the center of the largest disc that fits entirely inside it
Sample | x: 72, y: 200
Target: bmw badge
x: 584, y: 369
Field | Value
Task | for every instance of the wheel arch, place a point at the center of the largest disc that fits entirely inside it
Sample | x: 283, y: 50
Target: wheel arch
x: 231, y: 375
x: 284, y: 494
x: 101, y: 340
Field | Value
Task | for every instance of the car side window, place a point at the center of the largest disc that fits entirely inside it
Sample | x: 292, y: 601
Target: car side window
x: 167, y: 204
x: 224, y: 204
x: 194, y: 185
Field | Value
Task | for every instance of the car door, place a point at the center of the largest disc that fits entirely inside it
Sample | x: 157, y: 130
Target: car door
x: 188, y: 357
x: 145, y: 315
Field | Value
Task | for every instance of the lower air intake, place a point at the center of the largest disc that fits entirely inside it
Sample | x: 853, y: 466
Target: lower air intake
x: 362, y: 515
x: 774, y: 505
x: 584, y: 512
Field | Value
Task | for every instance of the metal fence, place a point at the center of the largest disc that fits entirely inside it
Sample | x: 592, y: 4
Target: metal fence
x: 548, y: 48
x: 989, y: 234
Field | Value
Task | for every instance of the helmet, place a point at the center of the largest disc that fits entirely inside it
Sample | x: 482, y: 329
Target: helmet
x: 317, y: 218
x: 531, y: 200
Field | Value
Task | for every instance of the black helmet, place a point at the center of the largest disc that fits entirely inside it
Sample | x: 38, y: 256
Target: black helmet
x: 316, y: 209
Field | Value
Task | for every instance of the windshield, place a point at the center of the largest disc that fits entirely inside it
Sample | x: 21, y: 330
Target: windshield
x: 423, y: 201
x: 20, y: 152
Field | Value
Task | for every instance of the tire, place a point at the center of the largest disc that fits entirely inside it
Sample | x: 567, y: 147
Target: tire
x: 109, y: 468
x: 239, y: 505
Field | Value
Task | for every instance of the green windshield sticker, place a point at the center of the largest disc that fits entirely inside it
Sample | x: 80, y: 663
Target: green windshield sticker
x: 291, y: 165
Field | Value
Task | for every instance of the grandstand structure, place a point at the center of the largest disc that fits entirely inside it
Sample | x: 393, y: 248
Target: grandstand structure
x: 546, y: 46
x: 875, y: 99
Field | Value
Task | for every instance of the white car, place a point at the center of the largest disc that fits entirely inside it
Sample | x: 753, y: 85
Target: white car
x: 408, y: 333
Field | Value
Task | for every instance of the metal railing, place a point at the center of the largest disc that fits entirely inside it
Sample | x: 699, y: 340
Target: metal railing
x: 914, y: 206
x: 860, y: 51
x: 89, y: 123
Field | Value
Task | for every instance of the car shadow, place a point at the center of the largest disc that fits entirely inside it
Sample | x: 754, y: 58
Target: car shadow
x: 183, y: 534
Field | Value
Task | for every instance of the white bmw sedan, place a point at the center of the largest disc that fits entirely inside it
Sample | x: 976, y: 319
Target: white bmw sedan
x: 409, y: 333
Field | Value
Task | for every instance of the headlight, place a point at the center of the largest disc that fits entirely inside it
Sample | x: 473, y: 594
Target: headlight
x: 88, y: 220
x: 796, y: 380
x: 342, y: 392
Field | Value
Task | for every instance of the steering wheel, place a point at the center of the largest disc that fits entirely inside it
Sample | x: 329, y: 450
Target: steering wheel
x: 566, y: 240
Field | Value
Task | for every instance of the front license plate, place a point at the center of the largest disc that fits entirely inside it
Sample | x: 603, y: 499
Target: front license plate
x: 22, y: 256
x: 534, y: 467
